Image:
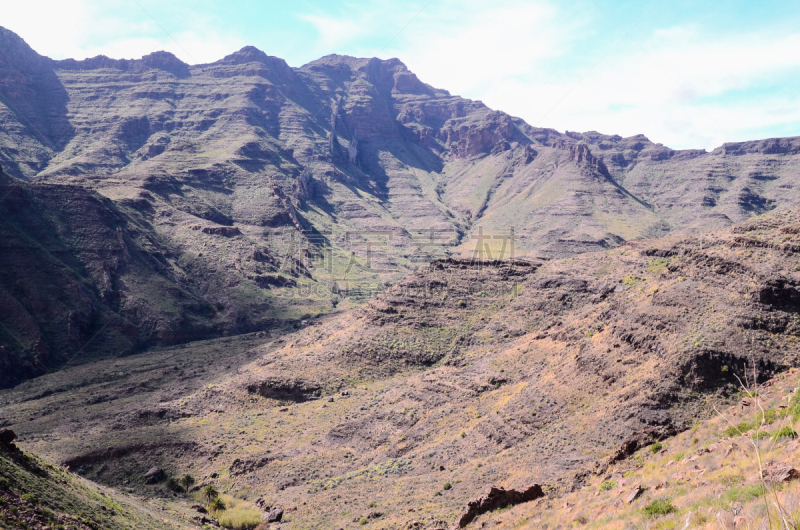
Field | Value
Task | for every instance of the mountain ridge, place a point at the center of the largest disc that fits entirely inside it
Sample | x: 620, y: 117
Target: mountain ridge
x: 252, y: 184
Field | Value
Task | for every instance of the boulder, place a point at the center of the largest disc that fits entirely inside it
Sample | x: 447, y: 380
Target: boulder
x: 633, y: 494
x: 199, y: 508
x: 155, y: 475
x: 7, y: 436
x: 495, y: 498
x: 273, y: 516
x: 777, y: 472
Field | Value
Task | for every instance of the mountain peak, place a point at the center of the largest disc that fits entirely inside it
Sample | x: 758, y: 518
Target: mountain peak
x: 17, y: 54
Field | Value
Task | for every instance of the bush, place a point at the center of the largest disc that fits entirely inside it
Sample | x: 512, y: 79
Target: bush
x: 362, y: 521
x: 29, y: 497
x: 4, y: 485
x: 173, y: 484
x: 209, y: 493
x: 659, y: 507
x: 240, y: 518
x: 765, y: 418
x: 447, y: 485
x: 739, y: 429
x: 784, y: 432
x: 743, y: 494
x: 656, y: 447
x: 794, y: 406
x: 217, y: 505
x: 187, y: 481
x: 608, y: 485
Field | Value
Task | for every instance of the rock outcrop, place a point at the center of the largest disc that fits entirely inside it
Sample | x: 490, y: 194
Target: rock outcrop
x: 494, y: 498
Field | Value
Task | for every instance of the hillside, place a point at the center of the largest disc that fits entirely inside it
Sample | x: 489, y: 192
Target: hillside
x: 35, y: 494
x: 170, y: 202
x: 737, y: 469
x: 464, y: 374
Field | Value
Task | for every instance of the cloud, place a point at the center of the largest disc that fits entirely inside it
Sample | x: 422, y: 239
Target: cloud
x: 83, y: 28
x: 685, y: 89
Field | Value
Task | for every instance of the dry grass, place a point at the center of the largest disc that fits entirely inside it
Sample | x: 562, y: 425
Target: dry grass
x: 239, y: 515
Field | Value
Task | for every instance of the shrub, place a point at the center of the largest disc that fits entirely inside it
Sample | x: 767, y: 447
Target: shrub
x: 362, y: 521
x: 373, y: 505
x: 743, y: 494
x: 29, y: 497
x: 4, y: 485
x: 760, y: 435
x: 784, y: 432
x: 739, y: 429
x: 659, y: 507
x: 656, y: 447
x: 608, y: 485
x: 187, y: 481
x: 447, y: 486
x: 173, y: 484
x: 218, y: 505
x: 794, y: 406
x: 209, y: 493
x: 240, y: 518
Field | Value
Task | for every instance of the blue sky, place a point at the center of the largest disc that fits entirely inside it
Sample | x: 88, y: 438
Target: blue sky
x: 687, y: 74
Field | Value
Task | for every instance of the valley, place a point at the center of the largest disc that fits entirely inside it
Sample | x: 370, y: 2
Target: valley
x: 340, y: 297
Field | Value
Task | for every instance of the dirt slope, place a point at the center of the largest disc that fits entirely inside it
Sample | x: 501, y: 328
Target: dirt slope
x: 465, y: 373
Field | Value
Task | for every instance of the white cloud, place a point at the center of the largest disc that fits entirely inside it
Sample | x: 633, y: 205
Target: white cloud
x: 469, y: 47
x: 83, y: 28
x: 681, y: 91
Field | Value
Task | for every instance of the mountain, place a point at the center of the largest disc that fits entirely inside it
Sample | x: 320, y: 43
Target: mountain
x: 150, y: 202
x: 466, y: 373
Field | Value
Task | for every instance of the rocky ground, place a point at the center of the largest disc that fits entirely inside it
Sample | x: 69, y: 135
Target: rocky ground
x: 400, y: 412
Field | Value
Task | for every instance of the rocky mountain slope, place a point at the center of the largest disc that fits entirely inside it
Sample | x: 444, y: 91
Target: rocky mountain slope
x: 224, y: 198
x: 36, y: 494
x: 464, y: 374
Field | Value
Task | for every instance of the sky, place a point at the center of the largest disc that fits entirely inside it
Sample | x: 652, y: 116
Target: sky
x: 688, y: 74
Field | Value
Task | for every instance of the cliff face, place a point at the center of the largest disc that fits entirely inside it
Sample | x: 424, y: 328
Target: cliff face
x: 270, y: 193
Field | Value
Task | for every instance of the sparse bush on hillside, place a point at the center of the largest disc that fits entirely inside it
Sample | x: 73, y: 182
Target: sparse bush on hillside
x: 608, y: 485
x: 173, y: 484
x: 209, y: 493
x: 794, y: 406
x: 784, y: 432
x: 4, y: 485
x: 742, y: 494
x: 656, y: 447
x: 217, y: 505
x: 659, y: 507
x: 28, y: 497
x: 187, y: 481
